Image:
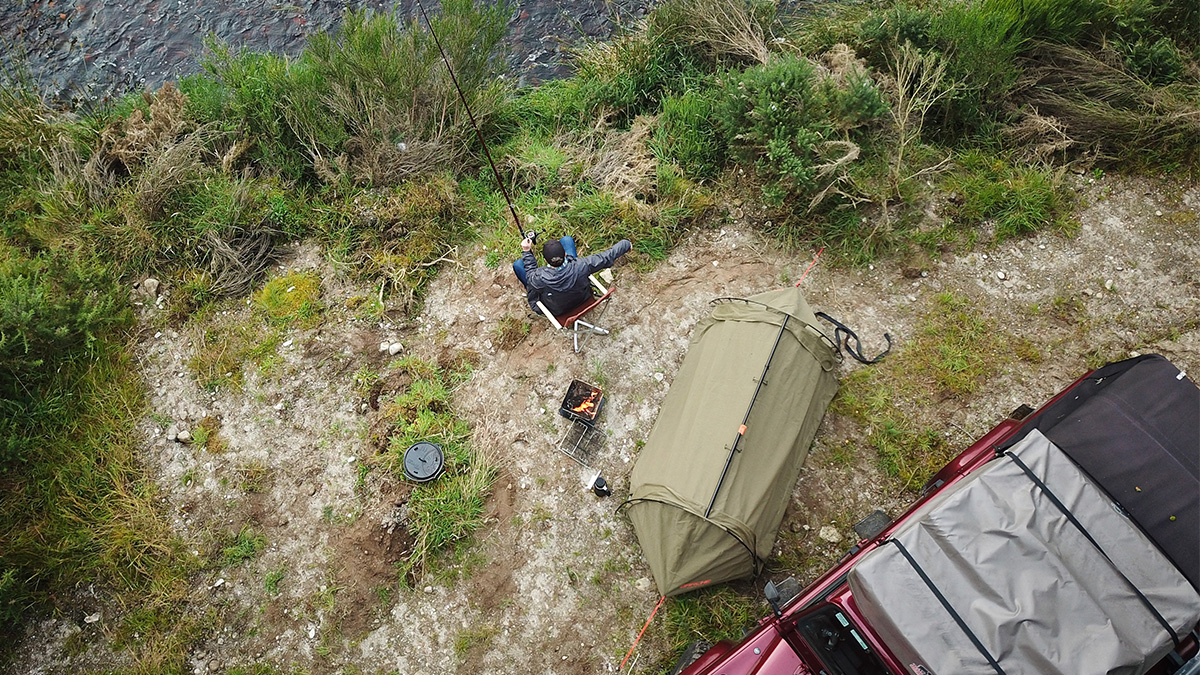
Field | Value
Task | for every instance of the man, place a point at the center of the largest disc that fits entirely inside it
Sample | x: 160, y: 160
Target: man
x: 563, y: 285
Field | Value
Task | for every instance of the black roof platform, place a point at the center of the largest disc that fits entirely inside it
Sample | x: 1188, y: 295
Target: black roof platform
x: 1134, y: 428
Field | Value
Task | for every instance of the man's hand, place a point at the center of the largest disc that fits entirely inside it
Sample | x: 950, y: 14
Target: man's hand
x: 527, y: 245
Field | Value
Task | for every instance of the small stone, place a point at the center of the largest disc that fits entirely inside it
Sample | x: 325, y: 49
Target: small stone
x: 924, y: 274
x: 1108, y: 284
x: 92, y: 618
x: 642, y: 584
x: 312, y: 490
x: 150, y: 286
x: 383, y: 346
x: 172, y: 433
x: 830, y: 534
x: 429, y: 589
x: 1001, y: 276
x: 715, y: 263
x: 658, y: 377
x: 279, y: 406
x: 394, y: 348
x: 184, y: 436
x: 1158, y: 213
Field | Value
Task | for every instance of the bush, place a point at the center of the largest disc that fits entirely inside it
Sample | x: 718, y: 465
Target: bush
x: 688, y: 135
x: 371, y: 103
x: 631, y: 74
x: 782, y: 118
x: 1159, y: 62
x: 51, y: 314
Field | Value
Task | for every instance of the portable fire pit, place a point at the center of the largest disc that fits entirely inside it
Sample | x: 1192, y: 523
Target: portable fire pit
x: 582, y: 406
x: 582, y: 402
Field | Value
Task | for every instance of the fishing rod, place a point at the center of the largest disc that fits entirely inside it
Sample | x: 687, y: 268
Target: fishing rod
x: 532, y: 235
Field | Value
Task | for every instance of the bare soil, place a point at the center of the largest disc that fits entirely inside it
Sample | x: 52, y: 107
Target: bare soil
x: 555, y: 582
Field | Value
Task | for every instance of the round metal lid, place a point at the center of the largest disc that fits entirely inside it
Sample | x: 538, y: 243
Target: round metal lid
x: 423, y: 461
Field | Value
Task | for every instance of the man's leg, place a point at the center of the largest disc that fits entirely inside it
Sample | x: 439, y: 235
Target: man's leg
x: 519, y: 270
x: 568, y: 244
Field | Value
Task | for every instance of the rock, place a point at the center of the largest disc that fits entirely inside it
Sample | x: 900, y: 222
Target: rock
x: 394, y: 348
x: 150, y: 287
x: 429, y: 589
x: 1158, y: 213
x: 383, y: 346
x: 279, y: 406
x: 92, y: 618
x: 1001, y: 276
x: 830, y: 534
x: 184, y: 436
x: 658, y: 377
x: 1108, y: 284
x: 642, y: 584
x: 172, y: 433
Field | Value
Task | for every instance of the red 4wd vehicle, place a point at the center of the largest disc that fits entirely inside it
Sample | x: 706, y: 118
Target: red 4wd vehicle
x: 1063, y: 541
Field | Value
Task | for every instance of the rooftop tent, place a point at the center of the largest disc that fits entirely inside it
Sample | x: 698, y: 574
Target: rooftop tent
x: 1024, y: 567
x: 710, y: 487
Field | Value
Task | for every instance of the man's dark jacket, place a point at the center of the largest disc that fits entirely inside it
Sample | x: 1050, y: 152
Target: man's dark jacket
x: 563, y: 288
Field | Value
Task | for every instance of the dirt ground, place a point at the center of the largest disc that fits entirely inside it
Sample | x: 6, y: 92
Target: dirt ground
x: 555, y: 582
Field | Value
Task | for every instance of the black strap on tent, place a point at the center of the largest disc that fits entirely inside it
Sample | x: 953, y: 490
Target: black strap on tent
x: 1082, y: 530
x: 746, y: 418
x: 842, y: 336
x: 949, y: 609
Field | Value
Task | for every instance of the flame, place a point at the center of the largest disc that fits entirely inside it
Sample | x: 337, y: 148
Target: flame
x: 588, y: 405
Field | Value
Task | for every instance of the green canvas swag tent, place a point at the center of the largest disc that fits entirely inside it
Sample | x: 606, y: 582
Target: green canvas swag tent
x: 710, y: 487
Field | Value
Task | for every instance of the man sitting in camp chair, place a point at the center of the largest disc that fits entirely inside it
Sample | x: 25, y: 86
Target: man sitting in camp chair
x: 563, y: 285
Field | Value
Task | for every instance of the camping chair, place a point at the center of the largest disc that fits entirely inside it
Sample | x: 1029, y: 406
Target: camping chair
x: 572, y: 321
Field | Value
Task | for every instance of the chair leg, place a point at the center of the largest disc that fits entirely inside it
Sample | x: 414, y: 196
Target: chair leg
x: 596, y: 330
x: 591, y: 327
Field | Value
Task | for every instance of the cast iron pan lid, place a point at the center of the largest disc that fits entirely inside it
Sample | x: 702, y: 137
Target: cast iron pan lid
x: 423, y: 461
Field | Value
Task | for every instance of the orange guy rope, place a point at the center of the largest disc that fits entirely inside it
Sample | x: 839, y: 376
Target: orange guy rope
x: 639, y: 637
x: 810, y: 265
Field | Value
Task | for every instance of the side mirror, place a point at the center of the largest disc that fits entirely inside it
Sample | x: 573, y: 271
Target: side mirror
x: 774, y: 598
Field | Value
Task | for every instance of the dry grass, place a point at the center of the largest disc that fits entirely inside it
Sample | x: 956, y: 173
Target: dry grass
x: 729, y: 28
x: 620, y: 162
x: 1101, y: 105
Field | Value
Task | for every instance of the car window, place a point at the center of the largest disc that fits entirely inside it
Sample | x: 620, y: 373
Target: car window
x: 839, y: 644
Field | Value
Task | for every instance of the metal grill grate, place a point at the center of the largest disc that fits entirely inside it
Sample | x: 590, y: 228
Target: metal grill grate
x: 581, y: 443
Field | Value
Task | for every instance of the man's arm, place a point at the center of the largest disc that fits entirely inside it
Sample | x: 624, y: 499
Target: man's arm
x: 530, y: 261
x: 605, y: 259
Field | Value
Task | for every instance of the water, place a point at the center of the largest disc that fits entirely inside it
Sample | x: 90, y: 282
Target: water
x: 92, y: 50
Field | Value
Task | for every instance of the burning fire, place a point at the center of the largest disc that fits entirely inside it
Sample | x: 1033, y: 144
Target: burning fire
x: 588, y: 405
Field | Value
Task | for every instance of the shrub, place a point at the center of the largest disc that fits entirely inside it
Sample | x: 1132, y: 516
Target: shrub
x: 1159, y: 62
x: 371, y: 103
x: 688, y: 135
x: 782, y: 118
x: 53, y: 309
x: 629, y: 75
